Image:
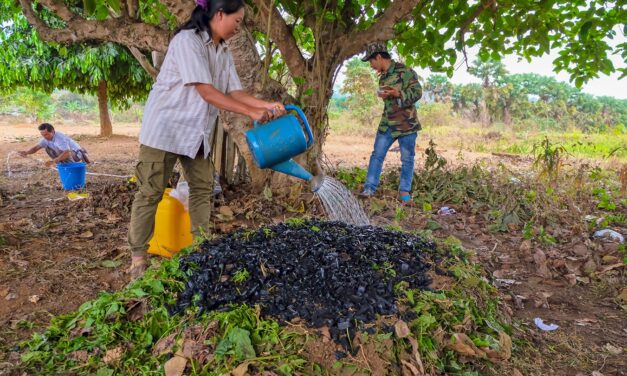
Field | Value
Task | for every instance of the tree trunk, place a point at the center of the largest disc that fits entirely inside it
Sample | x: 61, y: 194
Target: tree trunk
x: 250, y: 71
x: 507, y: 116
x: 106, y: 129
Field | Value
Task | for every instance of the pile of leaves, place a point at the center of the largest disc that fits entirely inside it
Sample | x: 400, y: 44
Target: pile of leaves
x: 132, y: 331
x: 326, y: 273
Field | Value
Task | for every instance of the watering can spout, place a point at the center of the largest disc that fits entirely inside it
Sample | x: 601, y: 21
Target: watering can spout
x: 292, y: 168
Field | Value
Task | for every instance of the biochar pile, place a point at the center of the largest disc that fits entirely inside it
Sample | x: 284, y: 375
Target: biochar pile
x: 326, y: 273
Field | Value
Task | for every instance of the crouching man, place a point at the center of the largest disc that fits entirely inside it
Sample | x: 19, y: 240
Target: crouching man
x: 59, y: 147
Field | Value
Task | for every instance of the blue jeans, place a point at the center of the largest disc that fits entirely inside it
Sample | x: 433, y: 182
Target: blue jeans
x: 382, y: 143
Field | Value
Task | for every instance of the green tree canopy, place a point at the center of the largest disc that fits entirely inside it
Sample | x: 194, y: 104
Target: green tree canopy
x: 28, y: 61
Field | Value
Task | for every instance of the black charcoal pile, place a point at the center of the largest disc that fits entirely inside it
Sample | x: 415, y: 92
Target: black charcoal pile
x: 326, y: 273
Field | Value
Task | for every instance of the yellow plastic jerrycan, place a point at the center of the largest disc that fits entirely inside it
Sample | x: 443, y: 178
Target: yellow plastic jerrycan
x: 172, y: 227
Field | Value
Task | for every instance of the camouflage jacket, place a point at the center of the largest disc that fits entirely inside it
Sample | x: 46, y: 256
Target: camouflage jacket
x: 400, y: 113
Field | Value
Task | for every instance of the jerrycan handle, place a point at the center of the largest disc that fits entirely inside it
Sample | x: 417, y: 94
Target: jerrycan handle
x: 300, y: 113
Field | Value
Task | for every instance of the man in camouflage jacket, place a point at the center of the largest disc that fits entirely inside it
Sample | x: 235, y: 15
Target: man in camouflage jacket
x: 400, y: 90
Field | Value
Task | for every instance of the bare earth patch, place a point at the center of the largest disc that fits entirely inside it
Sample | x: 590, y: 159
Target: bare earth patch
x: 56, y: 254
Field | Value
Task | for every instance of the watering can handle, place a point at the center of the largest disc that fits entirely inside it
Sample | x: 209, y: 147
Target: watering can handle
x: 300, y: 113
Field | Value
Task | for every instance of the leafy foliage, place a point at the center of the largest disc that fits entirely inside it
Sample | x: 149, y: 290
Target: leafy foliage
x: 26, y: 60
x: 361, y: 84
x: 131, y: 332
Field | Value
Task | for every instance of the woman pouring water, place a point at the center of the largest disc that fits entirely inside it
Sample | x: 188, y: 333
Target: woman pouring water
x: 197, y: 79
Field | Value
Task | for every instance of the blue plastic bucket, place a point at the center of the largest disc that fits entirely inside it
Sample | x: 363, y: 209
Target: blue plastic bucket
x: 72, y: 175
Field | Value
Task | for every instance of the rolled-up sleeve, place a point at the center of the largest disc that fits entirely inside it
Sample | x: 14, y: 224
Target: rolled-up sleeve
x: 192, y: 60
x: 234, y: 83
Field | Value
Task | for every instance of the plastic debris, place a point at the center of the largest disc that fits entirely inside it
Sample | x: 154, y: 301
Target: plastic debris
x: 217, y: 188
x: 502, y: 282
x: 546, y: 327
x: 73, y: 196
x: 181, y: 193
x: 445, y: 210
x: 514, y: 180
x: 609, y: 233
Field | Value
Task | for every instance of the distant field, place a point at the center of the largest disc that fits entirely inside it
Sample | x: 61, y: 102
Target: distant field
x: 454, y: 133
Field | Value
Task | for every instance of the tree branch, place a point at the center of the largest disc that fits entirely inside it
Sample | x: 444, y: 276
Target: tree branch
x: 56, y: 6
x: 119, y: 30
x: 480, y: 8
x: 464, y: 27
x: 143, y: 61
x: 132, y: 7
x: 181, y: 9
x: 281, y: 35
x: 380, y: 31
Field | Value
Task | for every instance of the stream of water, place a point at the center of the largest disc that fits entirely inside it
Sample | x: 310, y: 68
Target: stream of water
x: 340, y: 204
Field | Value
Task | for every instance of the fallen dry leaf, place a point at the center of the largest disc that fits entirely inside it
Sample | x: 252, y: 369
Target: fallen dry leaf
x: 164, y: 345
x: 412, y: 368
x: 225, y: 213
x: 589, y: 267
x: 622, y: 296
x: 571, y: 278
x: 326, y: 333
x: 86, y: 235
x: 539, y: 257
x: 401, y: 329
x: 34, y: 299
x: 462, y: 344
x: 505, y: 352
x: 241, y: 370
x: 505, y: 344
x: 612, y: 349
x: 584, y: 280
x: 10, y: 296
x: 113, y: 355
x: 611, y: 267
x: 581, y: 250
x: 585, y: 322
x: 136, y: 309
x: 416, y: 359
x: 79, y: 355
x: 4, y: 291
x: 176, y: 365
x: 525, y: 247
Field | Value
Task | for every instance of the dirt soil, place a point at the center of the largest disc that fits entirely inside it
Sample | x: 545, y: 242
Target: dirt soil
x: 56, y: 254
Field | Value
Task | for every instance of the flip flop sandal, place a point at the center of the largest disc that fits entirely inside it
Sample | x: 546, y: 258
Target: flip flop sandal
x: 405, y: 198
x: 137, y: 269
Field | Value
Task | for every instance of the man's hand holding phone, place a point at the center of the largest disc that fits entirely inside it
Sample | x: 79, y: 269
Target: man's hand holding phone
x: 386, y: 92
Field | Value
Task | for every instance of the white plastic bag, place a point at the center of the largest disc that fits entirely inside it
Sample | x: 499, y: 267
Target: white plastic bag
x: 181, y: 193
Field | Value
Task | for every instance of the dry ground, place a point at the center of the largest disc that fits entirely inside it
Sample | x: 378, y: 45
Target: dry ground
x: 56, y: 254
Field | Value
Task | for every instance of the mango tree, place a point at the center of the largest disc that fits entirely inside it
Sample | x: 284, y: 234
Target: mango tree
x: 314, y: 37
x: 103, y: 69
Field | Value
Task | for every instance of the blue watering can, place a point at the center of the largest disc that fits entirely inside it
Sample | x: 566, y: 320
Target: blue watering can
x: 274, y: 144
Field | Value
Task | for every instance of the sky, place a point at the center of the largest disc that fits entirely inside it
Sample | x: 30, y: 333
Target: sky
x: 603, y: 85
